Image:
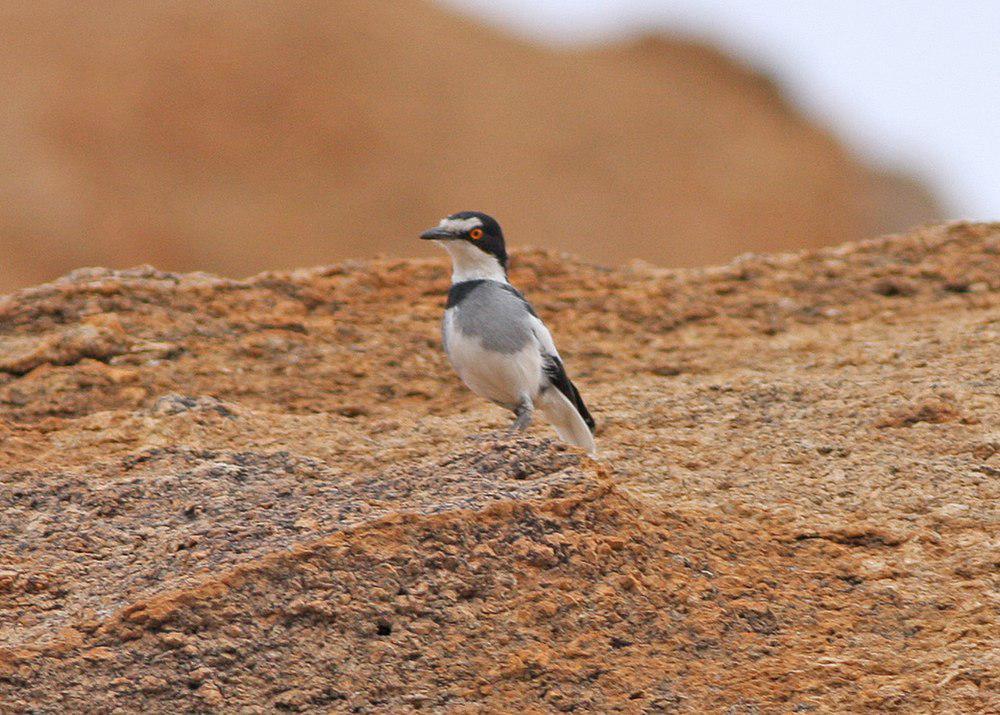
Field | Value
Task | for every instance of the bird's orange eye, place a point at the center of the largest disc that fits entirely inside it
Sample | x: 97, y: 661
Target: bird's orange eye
x: 475, y: 234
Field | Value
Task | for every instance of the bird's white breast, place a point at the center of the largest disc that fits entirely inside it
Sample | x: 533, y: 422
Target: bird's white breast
x: 503, y: 377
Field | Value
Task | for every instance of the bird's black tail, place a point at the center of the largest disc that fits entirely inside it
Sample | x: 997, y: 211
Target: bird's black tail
x: 557, y: 376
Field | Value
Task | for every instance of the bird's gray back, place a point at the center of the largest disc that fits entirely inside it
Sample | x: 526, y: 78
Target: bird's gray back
x: 496, y: 315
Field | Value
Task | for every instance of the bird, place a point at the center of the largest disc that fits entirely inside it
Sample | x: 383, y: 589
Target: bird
x: 494, y: 338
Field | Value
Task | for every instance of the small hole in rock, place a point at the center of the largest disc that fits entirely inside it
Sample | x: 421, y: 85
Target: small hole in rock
x: 384, y: 628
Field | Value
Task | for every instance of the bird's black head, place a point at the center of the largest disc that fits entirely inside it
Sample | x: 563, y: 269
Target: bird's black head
x: 474, y: 228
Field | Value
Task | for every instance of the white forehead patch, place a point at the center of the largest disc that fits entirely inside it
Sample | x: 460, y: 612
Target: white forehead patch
x: 459, y: 225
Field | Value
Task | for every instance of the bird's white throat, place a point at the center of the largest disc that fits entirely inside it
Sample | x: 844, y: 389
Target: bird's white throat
x: 468, y: 263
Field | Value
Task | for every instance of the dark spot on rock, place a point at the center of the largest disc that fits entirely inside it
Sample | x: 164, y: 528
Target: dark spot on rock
x: 893, y: 287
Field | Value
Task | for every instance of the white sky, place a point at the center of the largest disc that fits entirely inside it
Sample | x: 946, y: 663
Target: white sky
x: 914, y: 84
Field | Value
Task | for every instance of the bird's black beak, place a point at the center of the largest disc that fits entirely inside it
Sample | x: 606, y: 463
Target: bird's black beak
x: 436, y: 234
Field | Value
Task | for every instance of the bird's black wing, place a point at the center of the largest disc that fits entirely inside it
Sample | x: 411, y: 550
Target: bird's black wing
x: 556, y: 373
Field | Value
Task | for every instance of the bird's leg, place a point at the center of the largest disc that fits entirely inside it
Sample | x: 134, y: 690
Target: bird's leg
x: 523, y: 411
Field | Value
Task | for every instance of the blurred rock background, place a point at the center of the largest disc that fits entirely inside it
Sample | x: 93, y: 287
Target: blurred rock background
x: 236, y: 136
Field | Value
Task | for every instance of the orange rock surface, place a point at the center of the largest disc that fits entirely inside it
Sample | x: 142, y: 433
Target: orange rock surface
x: 274, y: 494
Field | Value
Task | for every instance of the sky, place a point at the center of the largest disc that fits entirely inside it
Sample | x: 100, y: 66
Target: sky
x: 912, y: 84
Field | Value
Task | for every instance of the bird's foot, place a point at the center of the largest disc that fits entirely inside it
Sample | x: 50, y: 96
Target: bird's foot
x: 524, y: 413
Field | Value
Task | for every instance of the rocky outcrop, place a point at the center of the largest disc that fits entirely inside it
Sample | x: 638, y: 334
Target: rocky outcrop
x: 273, y: 493
x: 239, y: 136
